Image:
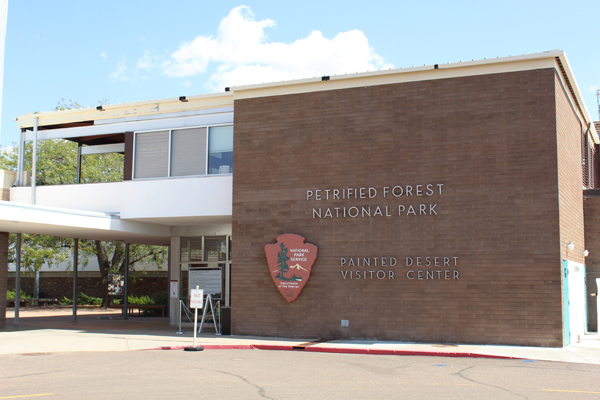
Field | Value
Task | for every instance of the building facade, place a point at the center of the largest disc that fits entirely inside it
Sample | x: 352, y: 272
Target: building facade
x: 442, y: 203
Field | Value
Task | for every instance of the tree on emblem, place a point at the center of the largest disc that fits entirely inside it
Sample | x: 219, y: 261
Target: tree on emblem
x: 282, y: 260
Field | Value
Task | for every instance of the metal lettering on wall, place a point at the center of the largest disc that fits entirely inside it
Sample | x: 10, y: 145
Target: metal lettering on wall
x: 427, y: 192
x: 387, y: 201
x: 391, y: 268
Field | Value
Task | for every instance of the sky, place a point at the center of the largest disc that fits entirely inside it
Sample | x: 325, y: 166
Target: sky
x: 119, y: 51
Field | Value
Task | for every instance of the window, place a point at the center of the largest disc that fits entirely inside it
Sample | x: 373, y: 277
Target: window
x: 152, y: 154
x: 220, y: 150
x: 187, y: 155
x: 184, y: 152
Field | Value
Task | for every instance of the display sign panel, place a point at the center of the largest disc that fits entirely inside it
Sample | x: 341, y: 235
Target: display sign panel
x: 116, y: 283
x: 174, y: 289
x: 207, y: 279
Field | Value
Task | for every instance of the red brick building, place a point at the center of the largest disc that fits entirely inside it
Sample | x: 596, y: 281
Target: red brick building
x: 448, y: 203
x: 476, y: 171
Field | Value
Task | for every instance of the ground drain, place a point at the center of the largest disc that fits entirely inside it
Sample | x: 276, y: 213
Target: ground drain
x: 302, y: 346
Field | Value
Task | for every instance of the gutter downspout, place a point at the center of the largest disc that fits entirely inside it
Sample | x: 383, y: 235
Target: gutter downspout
x: 590, y: 162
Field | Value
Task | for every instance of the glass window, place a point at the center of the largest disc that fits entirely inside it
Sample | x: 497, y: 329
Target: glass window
x: 220, y: 150
x: 191, y: 249
x: 215, y: 249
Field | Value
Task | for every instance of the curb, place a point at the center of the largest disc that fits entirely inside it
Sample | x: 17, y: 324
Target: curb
x: 207, y: 347
x: 342, y: 350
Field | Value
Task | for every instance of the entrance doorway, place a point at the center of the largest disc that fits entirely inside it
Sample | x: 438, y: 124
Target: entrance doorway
x: 574, y: 301
x: 205, y: 262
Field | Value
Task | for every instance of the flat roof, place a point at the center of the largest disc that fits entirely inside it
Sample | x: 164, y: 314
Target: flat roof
x: 87, y: 116
x: 106, y: 113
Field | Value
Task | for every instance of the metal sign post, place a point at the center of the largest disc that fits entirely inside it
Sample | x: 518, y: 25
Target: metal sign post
x: 196, y: 297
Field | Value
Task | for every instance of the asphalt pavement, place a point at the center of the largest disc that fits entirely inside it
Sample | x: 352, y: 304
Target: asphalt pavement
x: 51, y: 330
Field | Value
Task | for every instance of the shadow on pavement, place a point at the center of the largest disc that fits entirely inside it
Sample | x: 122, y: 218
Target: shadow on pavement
x: 96, y: 320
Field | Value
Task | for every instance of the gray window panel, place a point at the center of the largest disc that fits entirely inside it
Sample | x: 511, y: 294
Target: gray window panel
x: 188, y: 152
x: 152, y: 154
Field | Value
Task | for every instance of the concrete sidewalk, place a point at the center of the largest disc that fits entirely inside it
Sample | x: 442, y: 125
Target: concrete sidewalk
x: 52, y: 330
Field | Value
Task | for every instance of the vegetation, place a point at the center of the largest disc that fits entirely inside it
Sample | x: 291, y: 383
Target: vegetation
x: 12, y: 294
x: 82, y: 300
x: 57, y: 165
x: 159, y: 298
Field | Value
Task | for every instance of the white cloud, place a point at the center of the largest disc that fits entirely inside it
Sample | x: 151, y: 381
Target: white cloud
x: 147, y: 61
x: 120, y: 72
x: 243, y: 56
x: 103, y: 55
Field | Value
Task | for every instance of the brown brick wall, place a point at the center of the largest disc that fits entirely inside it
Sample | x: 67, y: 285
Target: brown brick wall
x: 569, y: 147
x: 592, y: 243
x: 57, y: 287
x: 569, y: 177
x: 3, y: 275
x: 490, y: 140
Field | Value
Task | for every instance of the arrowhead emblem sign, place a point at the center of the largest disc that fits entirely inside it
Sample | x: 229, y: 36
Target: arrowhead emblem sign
x: 290, y: 261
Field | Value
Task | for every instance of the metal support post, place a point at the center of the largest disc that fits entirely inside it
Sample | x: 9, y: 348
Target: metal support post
x: 18, y: 281
x: 75, y: 268
x: 126, y: 291
x: 79, y: 162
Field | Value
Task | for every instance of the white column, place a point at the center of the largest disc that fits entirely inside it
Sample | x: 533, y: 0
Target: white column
x: 174, y: 277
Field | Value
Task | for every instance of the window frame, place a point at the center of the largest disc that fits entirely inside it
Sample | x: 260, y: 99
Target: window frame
x: 170, y: 151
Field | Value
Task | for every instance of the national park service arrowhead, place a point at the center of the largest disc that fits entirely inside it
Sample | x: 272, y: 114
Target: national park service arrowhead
x: 290, y: 261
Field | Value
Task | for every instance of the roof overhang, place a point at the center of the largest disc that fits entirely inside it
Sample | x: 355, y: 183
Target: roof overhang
x: 125, y: 112
x: 26, y: 218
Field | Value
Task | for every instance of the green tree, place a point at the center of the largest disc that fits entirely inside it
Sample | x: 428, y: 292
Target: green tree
x: 57, y: 165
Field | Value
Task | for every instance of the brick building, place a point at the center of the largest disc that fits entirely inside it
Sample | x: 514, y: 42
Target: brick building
x: 447, y: 203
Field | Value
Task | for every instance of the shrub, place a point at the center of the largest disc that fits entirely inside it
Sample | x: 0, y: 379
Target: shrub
x: 82, y: 300
x: 88, y: 300
x: 161, y: 298
x: 139, y: 300
x: 11, y: 294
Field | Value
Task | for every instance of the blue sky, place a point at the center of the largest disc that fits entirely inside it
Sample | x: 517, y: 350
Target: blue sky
x: 130, y: 50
